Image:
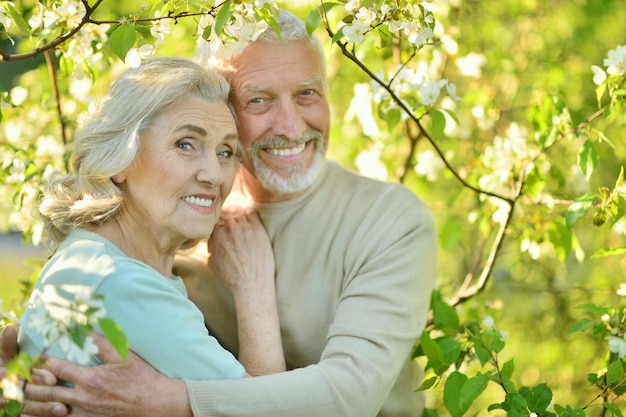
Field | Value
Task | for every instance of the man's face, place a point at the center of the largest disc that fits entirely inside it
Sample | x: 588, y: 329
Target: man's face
x: 279, y: 96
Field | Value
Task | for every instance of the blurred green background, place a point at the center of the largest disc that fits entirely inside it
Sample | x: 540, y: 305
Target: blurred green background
x: 531, y: 48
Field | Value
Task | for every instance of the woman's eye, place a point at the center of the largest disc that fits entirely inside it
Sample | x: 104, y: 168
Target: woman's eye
x: 226, y: 153
x: 185, y: 146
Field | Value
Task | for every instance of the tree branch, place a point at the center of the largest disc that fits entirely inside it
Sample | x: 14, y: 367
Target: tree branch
x: 5, y: 56
x: 403, y: 106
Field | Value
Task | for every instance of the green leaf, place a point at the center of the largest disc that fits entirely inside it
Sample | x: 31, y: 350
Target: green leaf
x: 580, y: 326
x: 588, y: 159
x: 492, y: 340
x: 17, y: 17
x: 481, y: 353
x: 79, y: 334
x: 561, y: 238
x: 122, y: 39
x: 223, y: 16
x: 13, y: 408
x: 578, y: 209
x: 450, y: 348
x: 445, y: 316
x: 115, y: 335
x: 452, y: 393
x: 392, y: 117
x: 535, y: 181
x: 438, y: 123
x: 538, y: 398
x: 429, y: 383
x: 614, y: 372
x: 430, y: 348
x: 508, y: 368
x: 602, y: 253
x: 472, y: 389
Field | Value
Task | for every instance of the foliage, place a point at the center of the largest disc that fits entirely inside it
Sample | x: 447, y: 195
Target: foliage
x: 506, y: 117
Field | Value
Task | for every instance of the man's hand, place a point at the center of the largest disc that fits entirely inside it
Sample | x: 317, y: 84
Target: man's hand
x: 8, y: 348
x: 116, y: 388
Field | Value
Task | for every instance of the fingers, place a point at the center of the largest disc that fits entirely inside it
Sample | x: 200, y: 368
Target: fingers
x: 106, y: 351
x: 44, y: 409
x: 8, y: 343
x: 40, y: 401
x: 41, y: 376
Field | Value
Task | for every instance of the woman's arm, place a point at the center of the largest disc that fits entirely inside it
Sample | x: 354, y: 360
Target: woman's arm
x: 241, y: 257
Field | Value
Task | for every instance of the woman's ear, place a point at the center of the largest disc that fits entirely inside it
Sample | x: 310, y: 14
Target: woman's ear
x: 119, y: 178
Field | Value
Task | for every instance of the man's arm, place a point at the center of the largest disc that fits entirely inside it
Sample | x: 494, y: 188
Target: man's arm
x: 119, y: 388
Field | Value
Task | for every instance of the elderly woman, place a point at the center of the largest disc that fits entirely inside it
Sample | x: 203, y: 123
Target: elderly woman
x: 152, y: 168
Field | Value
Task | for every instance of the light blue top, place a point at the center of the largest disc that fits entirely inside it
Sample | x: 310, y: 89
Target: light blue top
x: 162, y: 325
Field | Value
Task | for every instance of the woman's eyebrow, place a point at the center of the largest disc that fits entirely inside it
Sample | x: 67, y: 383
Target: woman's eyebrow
x: 192, y: 127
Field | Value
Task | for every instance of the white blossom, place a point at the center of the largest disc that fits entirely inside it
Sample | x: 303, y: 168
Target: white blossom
x: 160, y: 28
x: 365, y: 16
x: 369, y: 163
x: 18, y: 95
x: 135, y: 55
x: 355, y: 32
x: 11, y: 388
x: 352, y: 5
x: 430, y: 91
x: 617, y: 345
x: 471, y: 64
x: 5, y: 20
x: 428, y: 165
x: 621, y: 291
x: 599, y: 76
x: 616, y: 61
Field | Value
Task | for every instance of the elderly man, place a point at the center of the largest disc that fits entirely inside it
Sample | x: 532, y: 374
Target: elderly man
x: 355, y: 267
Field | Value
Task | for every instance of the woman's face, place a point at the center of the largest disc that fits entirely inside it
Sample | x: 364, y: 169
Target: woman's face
x: 184, y: 170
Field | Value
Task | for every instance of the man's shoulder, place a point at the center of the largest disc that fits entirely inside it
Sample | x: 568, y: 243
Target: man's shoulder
x: 360, y: 188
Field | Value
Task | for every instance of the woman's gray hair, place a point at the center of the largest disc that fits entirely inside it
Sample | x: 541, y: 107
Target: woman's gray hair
x: 109, y: 142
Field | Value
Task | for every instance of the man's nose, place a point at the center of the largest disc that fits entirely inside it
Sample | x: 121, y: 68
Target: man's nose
x: 289, y: 121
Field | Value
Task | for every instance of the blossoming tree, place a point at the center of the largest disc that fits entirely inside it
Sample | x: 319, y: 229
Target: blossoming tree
x: 507, y: 117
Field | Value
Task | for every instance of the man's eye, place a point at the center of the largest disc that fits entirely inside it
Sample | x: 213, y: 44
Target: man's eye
x: 257, y: 100
x: 308, y: 92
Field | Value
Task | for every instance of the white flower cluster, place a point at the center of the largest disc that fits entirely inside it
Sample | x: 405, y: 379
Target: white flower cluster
x: 242, y: 28
x: 65, y: 15
x: 56, y: 319
x: 417, y: 30
x: 408, y: 80
x: 615, y: 64
x: 5, y: 20
x: 617, y: 345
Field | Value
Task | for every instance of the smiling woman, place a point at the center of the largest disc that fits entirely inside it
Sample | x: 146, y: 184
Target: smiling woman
x: 152, y: 168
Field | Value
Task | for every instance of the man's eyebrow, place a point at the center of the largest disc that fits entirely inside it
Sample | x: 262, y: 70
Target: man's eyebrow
x: 311, y: 81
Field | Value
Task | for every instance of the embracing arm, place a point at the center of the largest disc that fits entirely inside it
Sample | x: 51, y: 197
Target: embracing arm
x: 99, y: 390
x: 242, y: 259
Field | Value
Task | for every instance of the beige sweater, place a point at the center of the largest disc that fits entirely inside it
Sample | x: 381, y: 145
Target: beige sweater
x: 356, y: 260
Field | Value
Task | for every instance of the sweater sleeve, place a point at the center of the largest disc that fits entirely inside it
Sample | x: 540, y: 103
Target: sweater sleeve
x: 390, y: 271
